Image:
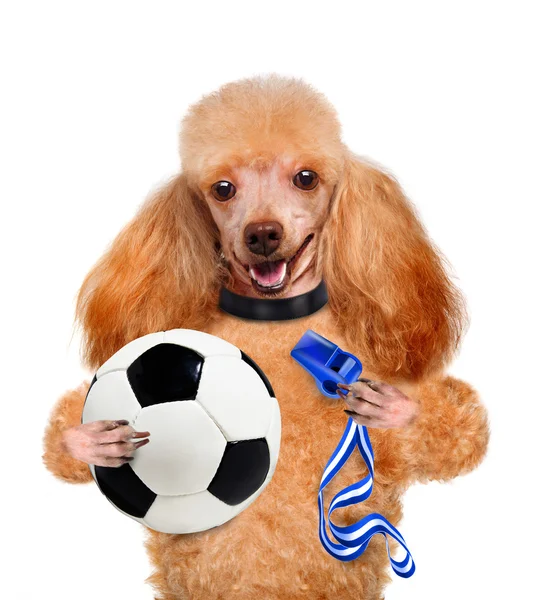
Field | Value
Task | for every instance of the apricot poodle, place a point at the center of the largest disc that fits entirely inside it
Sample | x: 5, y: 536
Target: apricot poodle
x: 270, y: 203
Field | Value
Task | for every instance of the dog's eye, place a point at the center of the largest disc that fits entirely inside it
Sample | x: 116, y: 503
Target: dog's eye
x: 223, y: 190
x: 306, y: 180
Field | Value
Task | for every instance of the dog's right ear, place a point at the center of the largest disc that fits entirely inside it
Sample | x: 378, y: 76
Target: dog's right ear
x: 161, y: 272
x: 388, y: 283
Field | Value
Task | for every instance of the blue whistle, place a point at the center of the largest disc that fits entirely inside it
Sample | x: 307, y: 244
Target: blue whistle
x: 326, y: 362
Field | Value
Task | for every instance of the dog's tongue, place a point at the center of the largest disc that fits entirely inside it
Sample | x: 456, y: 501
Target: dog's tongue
x: 269, y: 274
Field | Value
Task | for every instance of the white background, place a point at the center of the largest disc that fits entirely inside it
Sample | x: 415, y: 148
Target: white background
x: 447, y: 98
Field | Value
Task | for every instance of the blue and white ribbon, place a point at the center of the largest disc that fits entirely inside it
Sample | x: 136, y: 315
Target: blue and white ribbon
x: 354, y: 539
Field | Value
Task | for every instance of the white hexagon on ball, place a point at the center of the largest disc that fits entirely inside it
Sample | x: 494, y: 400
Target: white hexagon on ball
x: 111, y: 398
x: 236, y: 398
x: 189, y: 514
x: 185, y: 448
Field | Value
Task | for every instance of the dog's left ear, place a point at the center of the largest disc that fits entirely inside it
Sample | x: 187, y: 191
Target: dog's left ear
x: 161, y: 272
x: 387, y: 282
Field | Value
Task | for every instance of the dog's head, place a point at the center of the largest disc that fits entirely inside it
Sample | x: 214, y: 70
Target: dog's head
x: 269, y: 201
x: 265, y: 155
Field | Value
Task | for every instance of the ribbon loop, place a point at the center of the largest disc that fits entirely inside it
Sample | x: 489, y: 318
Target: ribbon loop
x: 354, y: 539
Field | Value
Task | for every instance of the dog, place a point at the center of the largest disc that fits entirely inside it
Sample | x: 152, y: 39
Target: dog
x: 269, y: 204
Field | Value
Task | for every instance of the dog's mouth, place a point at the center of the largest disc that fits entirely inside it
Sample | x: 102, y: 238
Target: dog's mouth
x: 271, y: 276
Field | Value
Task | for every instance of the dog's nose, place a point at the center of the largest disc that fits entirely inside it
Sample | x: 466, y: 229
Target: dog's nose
x: 263, y: 238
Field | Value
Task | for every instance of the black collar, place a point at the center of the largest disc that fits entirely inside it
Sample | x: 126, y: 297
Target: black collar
x: 267, y: 309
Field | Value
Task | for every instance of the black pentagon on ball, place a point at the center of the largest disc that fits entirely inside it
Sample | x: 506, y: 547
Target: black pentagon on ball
x: 165, y: 373
x: 241, y: 472
x: 258, y: 370
x: 94, y: 380
x: 125, y: 490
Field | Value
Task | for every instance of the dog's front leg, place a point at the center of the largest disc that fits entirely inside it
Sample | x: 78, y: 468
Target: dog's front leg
x: 66, y: 413
x: 451, y: 433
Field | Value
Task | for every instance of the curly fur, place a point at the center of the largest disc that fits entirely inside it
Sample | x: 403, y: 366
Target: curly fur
x: 391, y: 302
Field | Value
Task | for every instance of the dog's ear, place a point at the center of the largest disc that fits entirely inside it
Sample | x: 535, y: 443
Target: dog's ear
x: 388, y: 284
x: 161, y: 272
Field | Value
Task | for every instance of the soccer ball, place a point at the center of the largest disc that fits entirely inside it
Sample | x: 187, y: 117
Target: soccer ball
x: 214, y: 423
